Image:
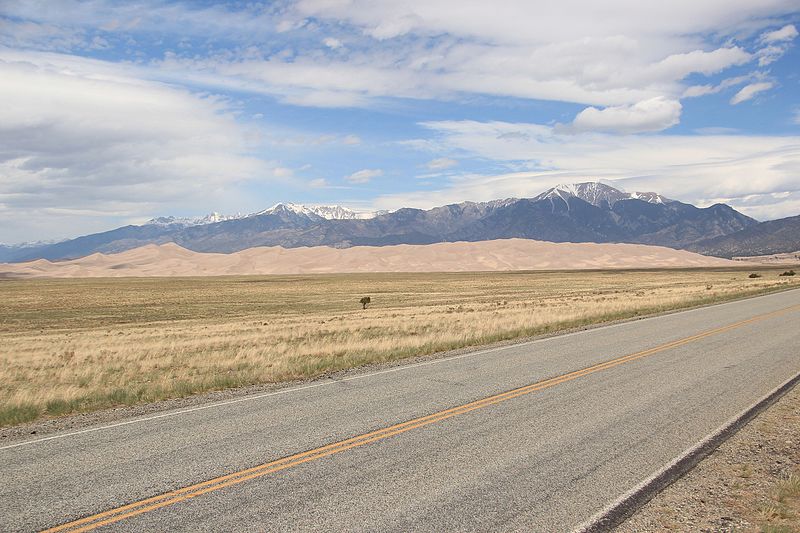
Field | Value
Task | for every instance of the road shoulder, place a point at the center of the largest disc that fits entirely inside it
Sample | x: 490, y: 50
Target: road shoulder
x: 750, y: 483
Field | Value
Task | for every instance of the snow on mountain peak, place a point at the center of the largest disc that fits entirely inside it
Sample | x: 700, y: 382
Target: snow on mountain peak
x: 328, y: 212
x: 598, y: 194
x: 211, y: 218
x: 651, y: 197
x: 337, y: 212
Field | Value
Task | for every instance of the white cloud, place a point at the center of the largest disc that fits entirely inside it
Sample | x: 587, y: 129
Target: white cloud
x: 716, y: 130
x: 770, y: 54
x: 699, y: 90
x: 351, y: 140
x: 216, y: 20
x: 45, y: 36
x: 629, y: 62
x: 778, y: 43
x: 683, y: 167
x: 761, y: 206
x: 749, y: 91
x: 364, y: 176
x: 520, y: 20
x: 655, y: 114
x: 283, y: 172
x: 315, y: 98
x: 441, y: 163
x: 602, y: 54
x: 605, y: 54
x: 787, y: 33
x: 678, y: 66
x: 82, y: 135
x: 703, y: 90
x: 598, y: 71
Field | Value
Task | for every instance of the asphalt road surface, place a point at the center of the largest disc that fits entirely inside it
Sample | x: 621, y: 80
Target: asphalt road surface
x: 536, y: 436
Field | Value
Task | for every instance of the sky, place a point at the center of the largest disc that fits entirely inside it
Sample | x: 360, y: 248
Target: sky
x: 115, y: 112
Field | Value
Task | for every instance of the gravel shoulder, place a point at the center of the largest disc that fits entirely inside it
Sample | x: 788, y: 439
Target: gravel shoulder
x: 751, y: 483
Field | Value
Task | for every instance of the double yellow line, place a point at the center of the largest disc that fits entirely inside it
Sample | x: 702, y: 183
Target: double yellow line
x: 192, y: 491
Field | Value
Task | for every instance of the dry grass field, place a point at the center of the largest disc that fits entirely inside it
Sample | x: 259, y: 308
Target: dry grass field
x: 79, y: 345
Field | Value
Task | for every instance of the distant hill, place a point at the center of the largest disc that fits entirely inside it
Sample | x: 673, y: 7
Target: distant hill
x: 766, y: 238
x: 584, y: 212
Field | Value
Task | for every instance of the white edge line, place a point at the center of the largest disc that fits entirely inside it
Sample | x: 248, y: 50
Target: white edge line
x: 688, y: 452
x: 170, y: 414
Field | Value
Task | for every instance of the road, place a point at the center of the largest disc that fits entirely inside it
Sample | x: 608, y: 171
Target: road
x: 537, y: 436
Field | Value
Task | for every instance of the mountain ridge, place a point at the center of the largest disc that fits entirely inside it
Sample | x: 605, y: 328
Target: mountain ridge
x: 592, y: 192
x: 585, y: 212
x: 765, y: 238
x: 327, y: 212
x: 598, y: 194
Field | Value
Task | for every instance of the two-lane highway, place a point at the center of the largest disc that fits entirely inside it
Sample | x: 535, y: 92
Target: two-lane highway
x: 535, y: 436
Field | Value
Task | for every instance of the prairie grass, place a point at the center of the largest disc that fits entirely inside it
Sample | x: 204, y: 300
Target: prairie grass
x: 783, y: 505
x: 775, y: 510
x: 787, y: 488
x: 78, y: 345
x: 771, y: 528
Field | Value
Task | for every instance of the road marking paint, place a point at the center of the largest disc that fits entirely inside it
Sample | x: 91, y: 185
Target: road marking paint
x: 400, y: 368
x: 192, y: 491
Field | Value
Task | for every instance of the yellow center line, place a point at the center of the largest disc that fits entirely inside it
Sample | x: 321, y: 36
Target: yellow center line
x: 192, y: 491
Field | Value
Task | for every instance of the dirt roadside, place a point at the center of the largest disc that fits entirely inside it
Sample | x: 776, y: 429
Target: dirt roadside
x: 751, y: 483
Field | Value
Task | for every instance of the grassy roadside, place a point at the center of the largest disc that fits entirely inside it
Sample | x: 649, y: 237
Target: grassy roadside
x: 71, y: 346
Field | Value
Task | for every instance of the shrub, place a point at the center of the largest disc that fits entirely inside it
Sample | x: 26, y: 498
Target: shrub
x: 754, y: 275
x: 787, y: 273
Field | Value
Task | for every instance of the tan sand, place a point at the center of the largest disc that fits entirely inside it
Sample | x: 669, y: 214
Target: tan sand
x: 506, y: 254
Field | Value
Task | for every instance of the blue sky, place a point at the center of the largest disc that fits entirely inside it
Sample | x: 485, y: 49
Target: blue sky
x: 114, y: 112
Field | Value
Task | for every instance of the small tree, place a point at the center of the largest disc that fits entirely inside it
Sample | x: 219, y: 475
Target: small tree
x: 364, y: 302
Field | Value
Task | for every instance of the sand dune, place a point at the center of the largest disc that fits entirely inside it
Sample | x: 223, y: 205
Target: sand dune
x: 506, y: 254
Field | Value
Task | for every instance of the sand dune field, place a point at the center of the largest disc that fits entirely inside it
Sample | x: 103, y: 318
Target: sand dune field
x: 498, y: 255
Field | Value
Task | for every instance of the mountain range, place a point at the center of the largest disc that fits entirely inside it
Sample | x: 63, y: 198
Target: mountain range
x: 767, y: 238
x: 328, y: 212
x: 583, y: 212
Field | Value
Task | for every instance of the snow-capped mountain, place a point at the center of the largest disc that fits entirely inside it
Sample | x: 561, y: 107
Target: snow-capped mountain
x: 328, y: 212
x: 581, y: 212
x: 9, y: 251
x: 30, y: 244
x: 211, y: 218
x: 598, y: 194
